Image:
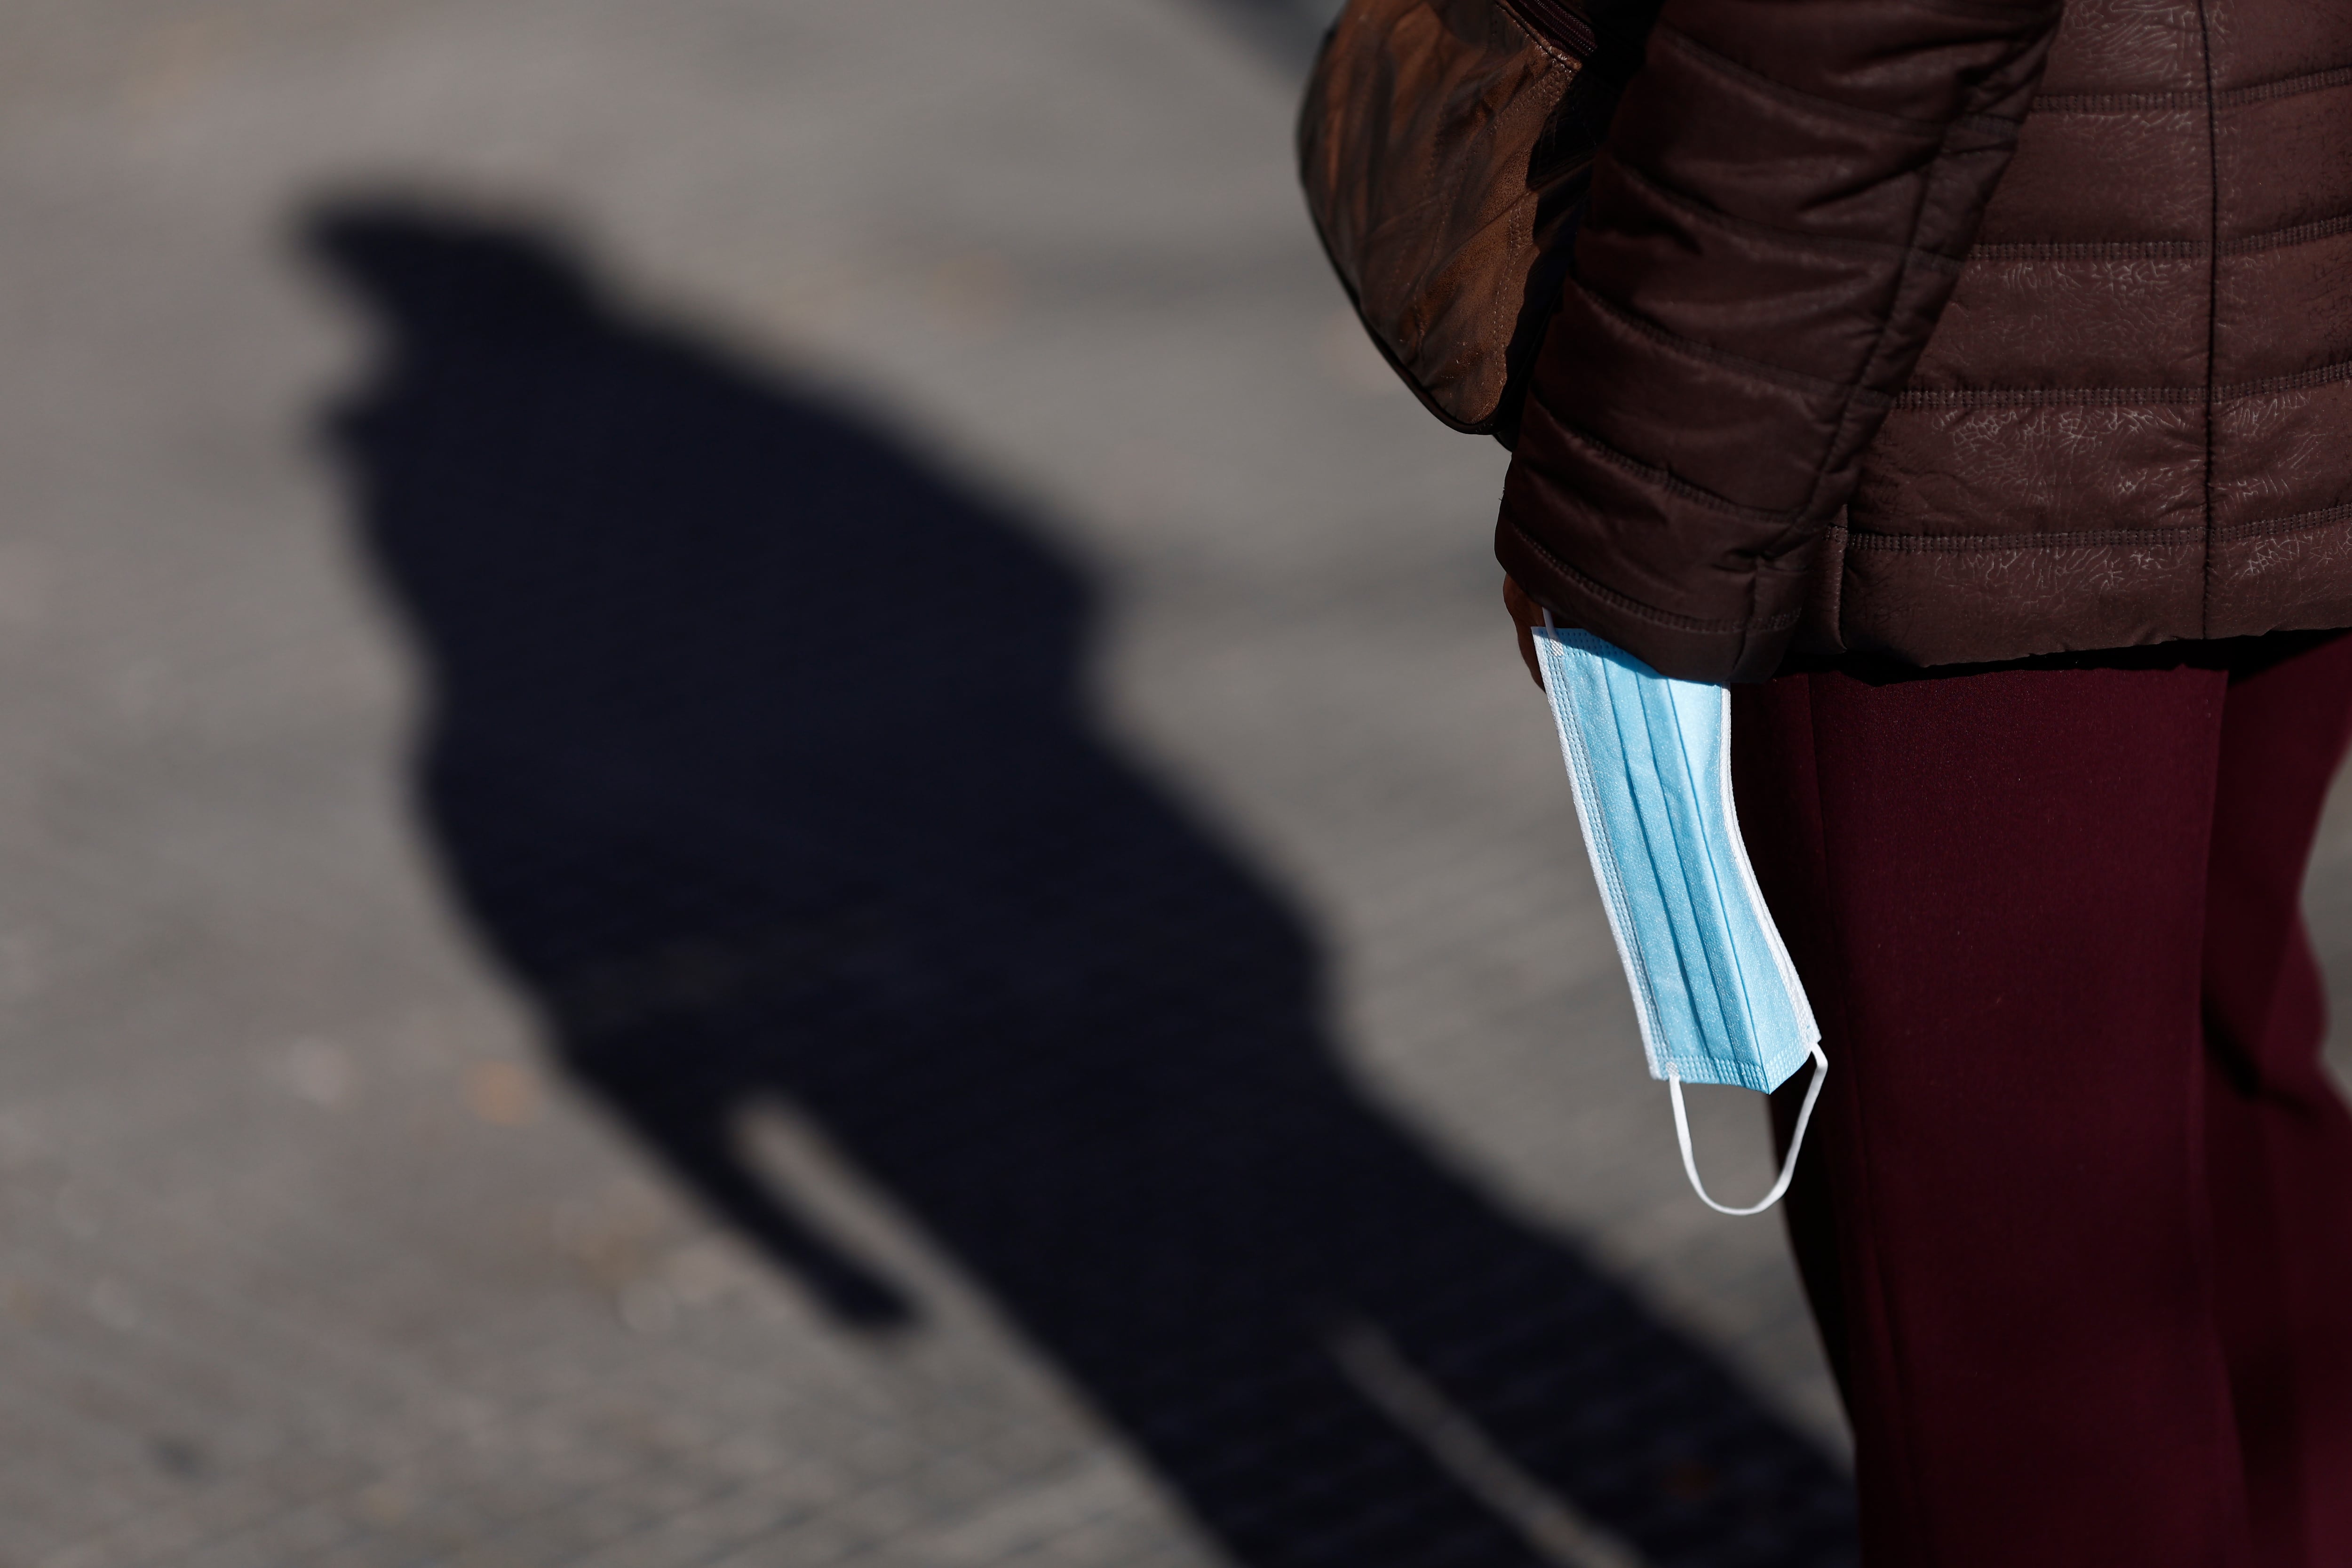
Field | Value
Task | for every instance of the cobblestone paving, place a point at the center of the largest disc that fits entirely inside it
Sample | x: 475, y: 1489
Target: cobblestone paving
x: 761, y: 806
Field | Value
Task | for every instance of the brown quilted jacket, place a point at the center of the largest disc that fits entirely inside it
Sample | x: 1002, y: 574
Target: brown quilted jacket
x: 1954, y: 331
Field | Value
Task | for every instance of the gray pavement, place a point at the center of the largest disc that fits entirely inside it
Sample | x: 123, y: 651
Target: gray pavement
x: 760, y: 805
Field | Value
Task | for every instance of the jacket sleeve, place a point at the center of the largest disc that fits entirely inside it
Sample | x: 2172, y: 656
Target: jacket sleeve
x: 1775, y: 223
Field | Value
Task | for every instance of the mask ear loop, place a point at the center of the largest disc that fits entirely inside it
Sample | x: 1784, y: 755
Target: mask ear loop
x: 1788, y: 1166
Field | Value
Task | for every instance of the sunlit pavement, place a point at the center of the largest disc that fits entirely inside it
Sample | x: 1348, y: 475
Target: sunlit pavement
x: 760, y: 805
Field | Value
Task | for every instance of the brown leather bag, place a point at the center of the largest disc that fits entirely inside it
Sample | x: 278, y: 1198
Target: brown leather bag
x: 1445, y: 147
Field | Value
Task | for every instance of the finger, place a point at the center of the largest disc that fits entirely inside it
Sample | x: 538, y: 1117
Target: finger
x: 1526, y: 615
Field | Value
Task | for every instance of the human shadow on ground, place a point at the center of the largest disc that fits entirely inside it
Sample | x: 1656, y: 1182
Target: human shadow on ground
x: 759, y: 750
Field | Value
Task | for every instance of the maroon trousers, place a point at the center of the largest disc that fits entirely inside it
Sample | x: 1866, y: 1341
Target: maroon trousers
x: 2075, y: 1214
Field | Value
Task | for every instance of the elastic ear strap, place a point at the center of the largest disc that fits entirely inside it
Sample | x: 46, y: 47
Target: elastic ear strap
x: 1788, y: 1166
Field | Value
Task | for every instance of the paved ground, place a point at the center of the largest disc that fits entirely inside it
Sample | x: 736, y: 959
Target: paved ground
x: 761, y: 805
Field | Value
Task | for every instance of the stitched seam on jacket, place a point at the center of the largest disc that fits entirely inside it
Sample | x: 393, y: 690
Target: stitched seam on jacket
x: 1671, y: 483
x: 1724, y: 65
x: 1964, y: 543
x: 2091, y: 250
x: 2280, y: 239
x: 2233, y: 98
x: 2139, y: 538
x: 2120, y: 396
x: 1723, y: 359
x: 1641, y: 611
x: 2163, y: 250
x: 1980, y: 10
x: 1691, y: 207
x: 2212, y: 297
x: 2293, y: 522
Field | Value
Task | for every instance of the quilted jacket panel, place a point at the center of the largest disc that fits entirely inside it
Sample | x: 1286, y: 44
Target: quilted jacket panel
x: 1954, y: 331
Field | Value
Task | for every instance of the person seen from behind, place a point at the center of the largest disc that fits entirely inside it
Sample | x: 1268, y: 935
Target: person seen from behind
x: 1967, y: 384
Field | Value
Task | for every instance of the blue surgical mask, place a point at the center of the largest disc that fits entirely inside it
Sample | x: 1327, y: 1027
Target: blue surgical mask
x: 1650, y: 758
